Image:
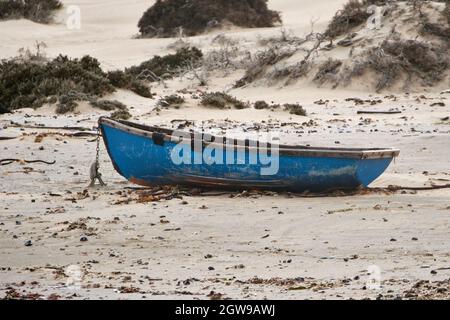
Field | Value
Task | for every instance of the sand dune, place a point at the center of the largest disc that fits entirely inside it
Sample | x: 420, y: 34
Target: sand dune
x: 108, y: 27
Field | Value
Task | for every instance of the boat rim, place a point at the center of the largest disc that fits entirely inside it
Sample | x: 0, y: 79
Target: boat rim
x: 165, y: 135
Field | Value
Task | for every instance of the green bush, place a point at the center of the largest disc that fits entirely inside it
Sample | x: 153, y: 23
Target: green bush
x: 40, y: 11
x: 165, y: 17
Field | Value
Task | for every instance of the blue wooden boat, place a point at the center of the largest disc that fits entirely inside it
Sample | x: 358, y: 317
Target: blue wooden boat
x: 143, y: 155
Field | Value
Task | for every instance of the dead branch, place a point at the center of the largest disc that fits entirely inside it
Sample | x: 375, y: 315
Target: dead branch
x: 4, y: 162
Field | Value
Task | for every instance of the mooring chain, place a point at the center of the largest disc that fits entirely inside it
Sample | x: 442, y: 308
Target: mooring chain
x: 95, y: 167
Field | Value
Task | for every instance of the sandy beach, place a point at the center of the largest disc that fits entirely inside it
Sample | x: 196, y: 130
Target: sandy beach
x: 60, y: 239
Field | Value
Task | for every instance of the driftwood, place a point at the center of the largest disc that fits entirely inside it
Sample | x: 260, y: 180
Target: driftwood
x: 26, y: 126
x: 150, y: 194
x: 433, y: 187
x: 379, y: 112
x: 7, y: 138
x: 4, y: 162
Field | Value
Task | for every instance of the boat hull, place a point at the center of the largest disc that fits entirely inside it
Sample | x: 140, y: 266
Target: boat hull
x: 143, y: 161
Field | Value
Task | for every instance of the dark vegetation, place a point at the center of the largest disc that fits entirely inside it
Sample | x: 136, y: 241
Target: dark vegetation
x: 221, y: 100
x: 31, y: 80
x: 166, y: 17
x: 295, y: 108
x: 108, y: 105
x: 166, y: 66
x: 395, y: 57
x: 353, y: 14
x: 262, y: 105
x: 121, y: 115
x: 40, y: 11
x: 155, y: 69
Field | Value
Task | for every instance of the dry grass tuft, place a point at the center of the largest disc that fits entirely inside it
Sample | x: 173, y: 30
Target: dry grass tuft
x: 221, y: 100
x: 295, y: 108
x: 171, y: 101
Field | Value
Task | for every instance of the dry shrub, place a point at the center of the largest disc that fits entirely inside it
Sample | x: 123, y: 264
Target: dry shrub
x: 295, y: 108
x: 173, y: 100
x: 327, y: 71
x: 292, y: 108
x: 440, y: 29
x: 124, y: 80
x: 108, y: 105
x: 155, y: 69
x: 353, y: 14
x: 120, y: 110
x: 398, y: 57
x: 31, y: 80
x: 165, y: 17
x: 227, y: 57
x: 263, y: 60
x: 221, y: 100
x: 290, y: 72
x: 166, y: 66
x: 40, y: 11
x: 437, y: 30
x: 121, y: 115
x: 299, y: 70
x: 262, y: 105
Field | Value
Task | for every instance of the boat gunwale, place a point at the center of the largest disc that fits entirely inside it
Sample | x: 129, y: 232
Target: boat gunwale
x: 288, y: 150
